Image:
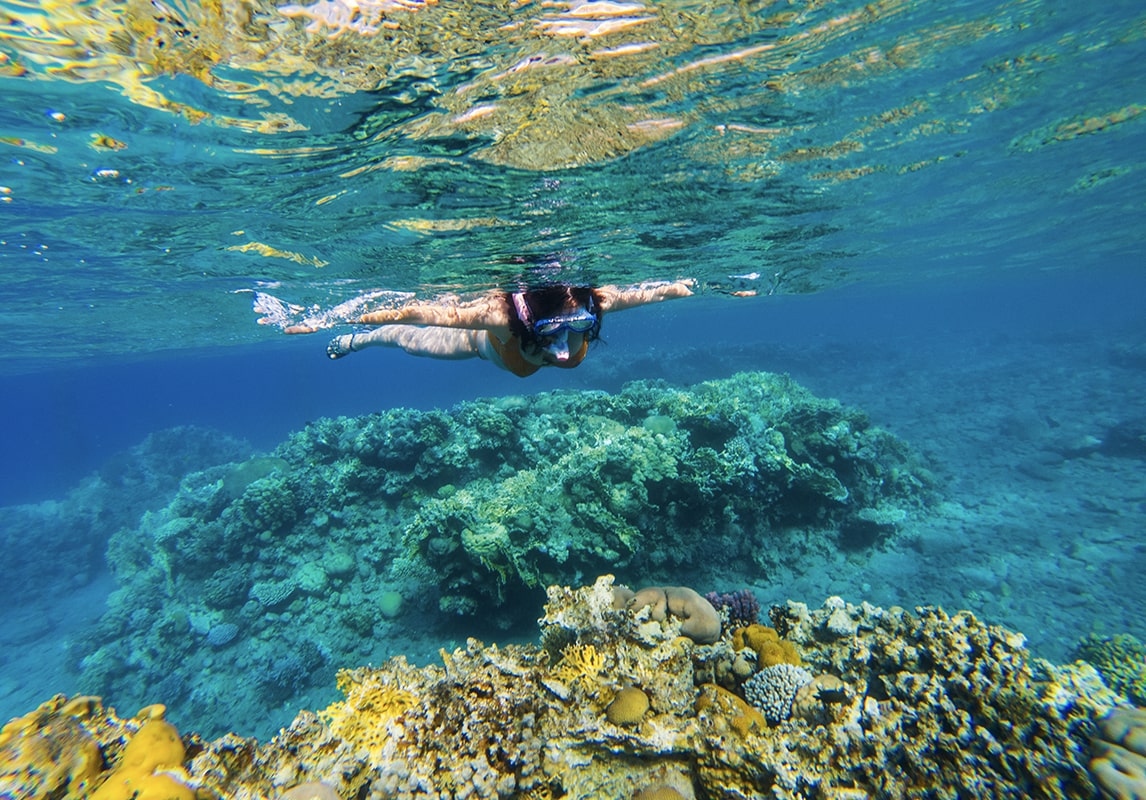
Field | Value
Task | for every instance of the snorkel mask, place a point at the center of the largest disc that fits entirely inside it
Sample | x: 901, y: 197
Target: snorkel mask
x: 554, y: 332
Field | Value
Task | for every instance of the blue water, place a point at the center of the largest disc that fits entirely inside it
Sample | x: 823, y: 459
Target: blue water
x: 946, y: 204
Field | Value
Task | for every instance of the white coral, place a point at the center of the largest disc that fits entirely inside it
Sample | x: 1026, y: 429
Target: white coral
x: 773, y: 689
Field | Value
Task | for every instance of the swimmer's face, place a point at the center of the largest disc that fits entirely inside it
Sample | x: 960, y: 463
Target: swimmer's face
x: 562, y: 336
x: 560, y: 348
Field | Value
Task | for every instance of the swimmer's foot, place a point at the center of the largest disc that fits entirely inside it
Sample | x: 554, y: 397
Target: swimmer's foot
x: 340, y: 346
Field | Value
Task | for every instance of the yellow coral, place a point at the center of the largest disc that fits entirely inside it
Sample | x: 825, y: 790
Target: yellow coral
x: 628, y: 706
x: 49, y: 753
x: 742, y: 717
x: 150, y: 767
x: 769, y: 647
x: 369, y: 706
x: 581, y: 664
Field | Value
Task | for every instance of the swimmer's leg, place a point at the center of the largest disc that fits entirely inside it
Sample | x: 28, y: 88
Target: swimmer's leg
x: 447, y: 343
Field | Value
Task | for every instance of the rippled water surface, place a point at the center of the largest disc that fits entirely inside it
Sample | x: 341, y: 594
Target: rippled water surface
x: 164, y: 159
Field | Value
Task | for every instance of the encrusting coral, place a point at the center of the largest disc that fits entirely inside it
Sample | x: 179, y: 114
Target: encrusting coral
x: 58, y: 751
x: 920, y: 704
x: 50, y: 752
x: 150, y: 766
x: 770, y: 649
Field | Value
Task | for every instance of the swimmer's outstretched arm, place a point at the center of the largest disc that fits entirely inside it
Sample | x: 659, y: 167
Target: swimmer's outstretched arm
x: 615, y: 298
x: 490, y: 313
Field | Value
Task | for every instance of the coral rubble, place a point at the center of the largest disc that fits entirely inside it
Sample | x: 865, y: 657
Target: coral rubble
x: 274, y: 571
x: 613, y: 703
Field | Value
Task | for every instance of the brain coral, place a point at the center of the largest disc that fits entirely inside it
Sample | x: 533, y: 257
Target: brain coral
x: 222, y: 634
x: 628, y: 706
x: 272, y: 594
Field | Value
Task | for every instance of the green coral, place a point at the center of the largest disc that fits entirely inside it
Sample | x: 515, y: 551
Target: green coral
x: 474, y: 509
x: 227, y: 588
x: 1121, y: 660
x: 594, y: 482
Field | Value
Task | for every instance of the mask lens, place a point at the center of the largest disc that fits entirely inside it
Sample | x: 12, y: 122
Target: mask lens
x: 578, y: 324
x: 581, y: 325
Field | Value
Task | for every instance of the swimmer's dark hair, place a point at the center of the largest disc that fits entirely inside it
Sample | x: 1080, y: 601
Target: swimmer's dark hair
x: 552, y: 301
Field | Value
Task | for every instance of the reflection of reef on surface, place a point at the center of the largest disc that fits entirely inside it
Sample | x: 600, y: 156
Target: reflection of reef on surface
x: 272, y: 572
x: 610, y: 703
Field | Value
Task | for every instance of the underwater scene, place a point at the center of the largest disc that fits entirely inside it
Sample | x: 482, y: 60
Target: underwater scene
x: 541, y: 399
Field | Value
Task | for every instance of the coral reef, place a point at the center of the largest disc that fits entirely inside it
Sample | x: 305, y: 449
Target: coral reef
x: 1121, y: 659
x: 919, y: 704
x: 139, y: 479
x: 739, y: 609
x: 474, y: 511
x: 1119, y: 763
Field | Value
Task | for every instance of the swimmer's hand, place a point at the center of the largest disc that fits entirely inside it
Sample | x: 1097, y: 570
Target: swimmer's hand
x: 300, y: 329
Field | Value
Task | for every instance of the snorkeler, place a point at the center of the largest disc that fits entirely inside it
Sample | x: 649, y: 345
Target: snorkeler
x: 518, y: 331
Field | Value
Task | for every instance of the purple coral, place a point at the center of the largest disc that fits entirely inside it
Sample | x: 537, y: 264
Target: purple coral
x: 743, y: 607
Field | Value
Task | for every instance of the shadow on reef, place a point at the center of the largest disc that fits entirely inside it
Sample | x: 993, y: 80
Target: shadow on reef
x: 618, y: 699
x: 270, y: 573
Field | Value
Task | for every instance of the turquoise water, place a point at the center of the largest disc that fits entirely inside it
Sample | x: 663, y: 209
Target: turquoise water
x: 942, y: 205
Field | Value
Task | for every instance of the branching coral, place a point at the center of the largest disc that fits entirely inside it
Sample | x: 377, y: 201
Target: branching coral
x: 581, y: 665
